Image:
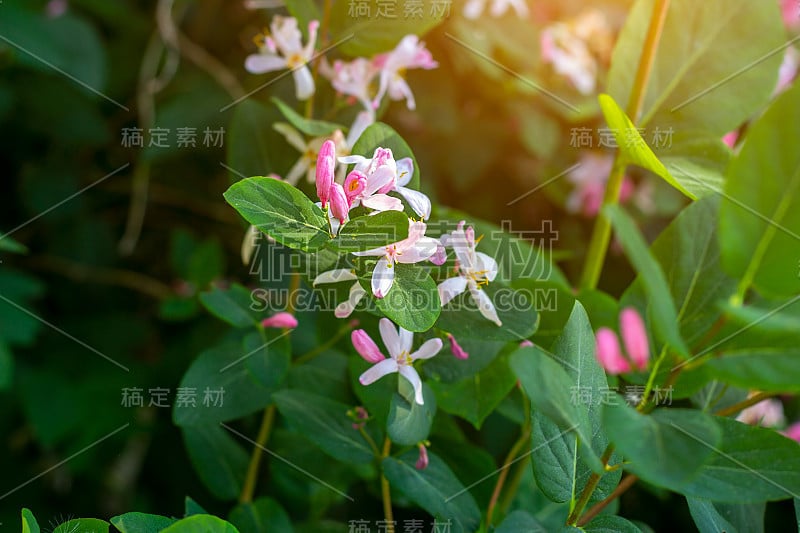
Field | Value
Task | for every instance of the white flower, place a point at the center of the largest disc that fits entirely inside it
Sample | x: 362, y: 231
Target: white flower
x: 344, y: 309
x: 409, y: 53
x: 475, y: 269
x: 353, y: 78
x: 414, y: 249
x: 283, y: 48
x: 401, y: 360
x: 474, y: 8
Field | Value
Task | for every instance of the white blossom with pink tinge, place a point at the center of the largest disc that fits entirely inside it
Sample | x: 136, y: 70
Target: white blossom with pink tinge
x: 409, y: 53
x: 357, y: 292
x: 399, y: 343
x: 414, y: 249
x: 283, y: 48
x: 474, y: 8
x: 475, y: 269
x: 768, y: 413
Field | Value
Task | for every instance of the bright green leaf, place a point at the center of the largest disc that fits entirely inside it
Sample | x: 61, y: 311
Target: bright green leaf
x: 371, y: 231
x: 201, y: 523
x: 83, y: 525
x: 412, y: 302
x: 29, y: 523
x: 141, y: 523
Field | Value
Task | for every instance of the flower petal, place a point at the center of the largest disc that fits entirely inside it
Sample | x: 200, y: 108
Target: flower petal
x: 391, y: 337
x: 405, y: 171
x: 303, y: 83
x: 411, y: 375
x: 406, y: 339
x: 366, y: 347
x: 335, y: 276
x: 261, y: 63
x: 423, y: 249
x: 418, y: 201
x: 428, y: 349
x: 346, y: 308
x: 382, y: 202
x: 450, y: 288
x: 487, y: 264
x: 382, y: 278
x: 387, y: 366
x: 292, y: 136
x: 485, y: 305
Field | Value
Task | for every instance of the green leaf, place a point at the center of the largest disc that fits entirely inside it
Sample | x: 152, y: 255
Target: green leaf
x: 83, y: 525
x: 29, y: 523
x: 436, y: 489
x: 264, y: 514
x: 516, y: 309
x: 281, y: 211
x: 304, y: 11
x: 201, y: 523
x: 476, y: 397
x: 141, y: 523
x: 412, y: 302
x: 253, y: 148
x: 715, y: 66
x: 325, y: 423
x: 611, y: 524
x: 191, y: 507
x: 662, y: 308
x: 750, y: 465
x: 634, y: 149
x: 232, y: 305
x: 668, y: 447
x: 520, y: 522
x: 227, y: 382
x: 380, y: 135
x: 561, y: 469
x: 312, y: 128
x: 217, y: 458
x: 711, y: 517
x: 548, y: 386
x: 371, y: 231
x: 409, y: 422
x: 759, y: 221
x: 689, y: 255
x: 366, y: 34
x: 7, y: 244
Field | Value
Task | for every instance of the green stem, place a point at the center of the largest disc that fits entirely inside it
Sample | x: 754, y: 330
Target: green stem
x: 593, y: 511
x: 520, y: 443
x: 591, y: 484
x: 385, y: 490
x: 249, y: 486
x: 754, y: 399
x: 601, y: 234
x: 371, y: 442
x: 651, y: 379
x: 322, y: 348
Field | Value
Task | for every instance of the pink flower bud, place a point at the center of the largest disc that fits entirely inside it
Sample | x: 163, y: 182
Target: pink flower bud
x: 339, y: 205
x: 730, y: 138
x: 326, y: 163
x: 457, y: 350
x: 354, y: 185
x: 422, y: 462
x: 525, y: 344
x: 793, y: 431
x: 280, y: 320
x: 634, y: 337
x: 366, y: 347
x: 608, y: 353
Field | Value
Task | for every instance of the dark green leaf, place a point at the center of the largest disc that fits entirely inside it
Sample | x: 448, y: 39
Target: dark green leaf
x: 217, y: 458
x: 6, y: 367
x: 281, y: 211
x: 662, y: 308
x: 667, y: 448
x: 325, y: 423
x: 520, y: 522
x: 83, y: 525
x: 412, y: 302
x: 436, y: 489
x: 233, y: 305
x: 253, y: 147
x: 264, y: 514
x: 7, y: 244
x: 611, y: 524
x: 312, y: 128
x: 711, y: 517
x: 409, y: 422
x: 201, y: 523
x: 371, y: 231
x: 141, y: 523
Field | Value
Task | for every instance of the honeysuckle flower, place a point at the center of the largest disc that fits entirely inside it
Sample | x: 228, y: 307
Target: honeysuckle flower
x: 282, y: 47
x: 422, y: 462
x: 608, y: 352
x: 474, y: 8
x: 440, y: 256
x: 589, y: 180
x: 280, y: 320
x: 340, y: 207
x: 409, y: 53
x: 309, y: 151
x: 768, y: 413
x: 413, y: 249
x: 475, y: 269
x: 634, y: 337
x: 380, y: 174
x: 456, y: 348
x: 357, y: 292
x: 353, y: 78
x: 360, y: 417
x: 576, y: 48
x: 730, y: 138
x: 399, y: 343
x: 791, y: 13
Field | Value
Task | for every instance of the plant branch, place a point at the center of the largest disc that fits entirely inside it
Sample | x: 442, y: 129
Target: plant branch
x: 595, y: 509
x: 744, y: 404
x: 588, y: 490
x: 249, y: 486
x: 385, y: 490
